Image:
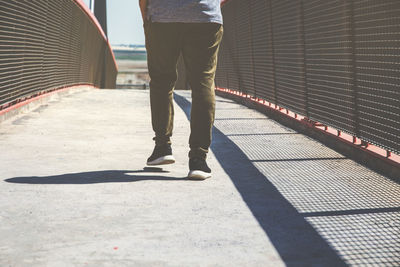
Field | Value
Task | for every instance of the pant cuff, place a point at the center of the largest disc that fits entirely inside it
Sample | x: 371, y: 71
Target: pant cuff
x: 161, y: 141
x: 198, y: 153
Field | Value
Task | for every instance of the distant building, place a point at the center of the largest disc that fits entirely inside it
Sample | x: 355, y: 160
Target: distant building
x: 131, y: 52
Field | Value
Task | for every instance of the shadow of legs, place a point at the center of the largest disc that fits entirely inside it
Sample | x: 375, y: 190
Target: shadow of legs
x: 108, y: 176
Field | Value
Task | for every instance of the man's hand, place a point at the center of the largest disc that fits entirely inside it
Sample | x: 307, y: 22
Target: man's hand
x: 143, y: 8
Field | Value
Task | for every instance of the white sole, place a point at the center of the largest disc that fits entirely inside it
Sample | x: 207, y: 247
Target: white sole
x: 169, y: 159
x: 199, y: 175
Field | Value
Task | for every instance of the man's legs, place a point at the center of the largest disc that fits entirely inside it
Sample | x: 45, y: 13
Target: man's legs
x: 200, y: 50
x: 163, y: 49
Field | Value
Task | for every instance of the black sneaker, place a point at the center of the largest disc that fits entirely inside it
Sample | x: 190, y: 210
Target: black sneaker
x: 161, y: 155
x: 198, y: 169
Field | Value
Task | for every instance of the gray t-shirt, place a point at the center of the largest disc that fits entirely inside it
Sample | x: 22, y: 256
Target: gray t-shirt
x: 186, y: 11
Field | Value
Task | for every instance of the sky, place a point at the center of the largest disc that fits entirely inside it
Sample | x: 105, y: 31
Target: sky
x: 124, y: 22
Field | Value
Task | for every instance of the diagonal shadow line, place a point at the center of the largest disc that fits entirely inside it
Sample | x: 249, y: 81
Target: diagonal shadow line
x: 301, y: 159
x: 349, y: 212
x: 106, y: 176
x: 296, y: 241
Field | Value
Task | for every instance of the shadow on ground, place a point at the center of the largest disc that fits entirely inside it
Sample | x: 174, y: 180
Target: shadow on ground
x: 296, y: 241
x: 108, y: 176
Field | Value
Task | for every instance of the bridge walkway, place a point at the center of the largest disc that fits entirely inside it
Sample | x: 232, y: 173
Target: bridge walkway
x: 75, y: 190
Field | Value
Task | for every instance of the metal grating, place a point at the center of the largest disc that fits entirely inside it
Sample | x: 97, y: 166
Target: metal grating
x: 244, y: 47
x: 262, y: 46
x: 46, y: 45
x: 327, y: 26
x: 336, y: 62
x: 228, y: 61
x: 377, y: 52
x: 289, y: 55
x: 355, y: 210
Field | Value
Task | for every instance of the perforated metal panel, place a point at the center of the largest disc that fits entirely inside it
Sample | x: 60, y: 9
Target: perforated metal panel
x: 336, y: 62
x: 228, y: 62
x: 377, y: 53
x: 329, y: 63
x: 244, y: 47
x: 289, y: 55
x: 262, y: 46
x: 46, y: 45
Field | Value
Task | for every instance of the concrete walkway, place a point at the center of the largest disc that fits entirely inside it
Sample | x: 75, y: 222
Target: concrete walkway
x: 75, y: 191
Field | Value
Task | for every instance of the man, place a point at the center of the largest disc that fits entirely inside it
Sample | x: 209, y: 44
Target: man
x: 192, y: 28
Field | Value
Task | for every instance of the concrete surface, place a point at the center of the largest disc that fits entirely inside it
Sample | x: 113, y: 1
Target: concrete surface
x: 37, y: 101
x: 75, y: 191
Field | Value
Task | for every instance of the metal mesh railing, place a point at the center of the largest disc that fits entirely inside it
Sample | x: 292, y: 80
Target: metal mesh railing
x: 336, y: 62
x: 45, y: 45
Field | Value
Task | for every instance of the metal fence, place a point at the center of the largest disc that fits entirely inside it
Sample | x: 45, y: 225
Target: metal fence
x: 46, y: 44
x: 336, y: 62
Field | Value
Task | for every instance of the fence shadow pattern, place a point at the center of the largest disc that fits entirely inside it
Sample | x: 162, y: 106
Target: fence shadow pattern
x: 45, y: 45
x: 335, y: 62
x: 317, y: 207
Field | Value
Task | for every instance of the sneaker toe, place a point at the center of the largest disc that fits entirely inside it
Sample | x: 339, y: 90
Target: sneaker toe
x: 199, y: 175
x: 169, y: 159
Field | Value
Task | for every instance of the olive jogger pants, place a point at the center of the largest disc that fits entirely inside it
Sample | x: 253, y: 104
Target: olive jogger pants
x: 198, y: 43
